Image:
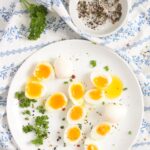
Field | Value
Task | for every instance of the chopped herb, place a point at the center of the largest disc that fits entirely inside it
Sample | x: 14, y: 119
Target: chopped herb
x: 66, y: 82
x: 41, y: 109
x: 26, y: 112
x: 64, y: 144
x: 93, y: 63
x: 103, y: 103
x: 28, y: 128
x: 106, y: 68
x: 37, y: 141
x: 70, y: 80
x: 23, y: 100
x: 38, y: 19
x: 26, y: 118
x: 40, y: 129
x: 129, y: 132
x: 80, y: 126
x: 124, y: 89
x: 42, y: 121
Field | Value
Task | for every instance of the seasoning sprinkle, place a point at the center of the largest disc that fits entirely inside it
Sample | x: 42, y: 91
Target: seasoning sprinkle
x: 97, y: 12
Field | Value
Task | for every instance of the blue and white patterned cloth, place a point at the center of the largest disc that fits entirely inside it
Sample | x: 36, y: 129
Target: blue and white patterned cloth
x: 131, y: 42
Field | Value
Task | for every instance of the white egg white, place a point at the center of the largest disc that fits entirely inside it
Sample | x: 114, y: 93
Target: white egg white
x: 114, y: 113
x: 52, y: 74
x: 97, y: 73
x: 49, y: 108
x: 63, y: 68
x: 96, y: 136
x: 71, y: 121
x: 91, y: 101
x: 75, y: 101
x: 68, y: 141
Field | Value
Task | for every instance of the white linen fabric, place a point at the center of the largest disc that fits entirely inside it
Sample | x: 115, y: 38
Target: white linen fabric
x: 131, y: 42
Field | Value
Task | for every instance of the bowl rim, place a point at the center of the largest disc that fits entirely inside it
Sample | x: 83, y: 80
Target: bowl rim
x: 105, y: 34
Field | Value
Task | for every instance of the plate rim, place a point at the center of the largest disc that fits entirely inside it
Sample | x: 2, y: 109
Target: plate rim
x: 86, y: 41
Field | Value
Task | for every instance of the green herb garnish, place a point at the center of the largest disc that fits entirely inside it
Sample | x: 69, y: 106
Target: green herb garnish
x: 42, y: 121
x: 26, y: 118
x: 106, y: 68
x: 65, y: 82
x: 37, y: 141
x: 93, y: 63
x: 65, y: 144
x: 38, y: 15
x: 40, y: 129
x: 103, y: 103
x: 129, y: 132
x: 23, y: 100
x: 80, y: 126
x: 26, y: 112
x: 28, y: 128
x: 41, y: 109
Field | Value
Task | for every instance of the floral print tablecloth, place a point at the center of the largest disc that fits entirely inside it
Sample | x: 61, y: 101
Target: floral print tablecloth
x: 131, y: 42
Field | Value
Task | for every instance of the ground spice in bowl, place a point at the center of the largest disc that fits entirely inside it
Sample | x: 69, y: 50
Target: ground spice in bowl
x: 97, y: 12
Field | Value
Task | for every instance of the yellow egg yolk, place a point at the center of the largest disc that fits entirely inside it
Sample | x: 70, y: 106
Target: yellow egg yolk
x: 92, y: 147
x: 100, y: 82
x: 73, y: 134
x: 34, y: 89
x: 95, y: 94
x: 57, y: 101
x: 42, y: 71
x: 76, y: 113
x: 77, y: 91
x: 115, y: 89
x: 103, y: 129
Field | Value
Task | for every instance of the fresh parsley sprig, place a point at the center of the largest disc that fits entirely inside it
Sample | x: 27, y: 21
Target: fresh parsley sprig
x: 38, y: 15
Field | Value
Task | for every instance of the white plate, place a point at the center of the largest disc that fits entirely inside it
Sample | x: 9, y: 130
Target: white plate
x: 80, y: 52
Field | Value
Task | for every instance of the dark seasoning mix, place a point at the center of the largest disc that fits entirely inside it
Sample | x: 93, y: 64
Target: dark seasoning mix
x: 97, y: 12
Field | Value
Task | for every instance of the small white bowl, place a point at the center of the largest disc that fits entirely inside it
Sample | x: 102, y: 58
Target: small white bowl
x: 103, y: 30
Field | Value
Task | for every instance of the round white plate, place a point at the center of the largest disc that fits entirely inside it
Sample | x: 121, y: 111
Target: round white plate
x: 80, y: 52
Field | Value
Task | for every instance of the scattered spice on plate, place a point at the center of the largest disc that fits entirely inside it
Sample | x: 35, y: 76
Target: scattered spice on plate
x: 63, y: 109
x: 124, y: 89
x: 73, y: 76
x: 78, y: 145
x: 97, y: 12
x: 61, y: 127
x: 63, y: 119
